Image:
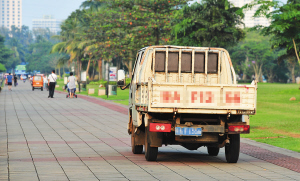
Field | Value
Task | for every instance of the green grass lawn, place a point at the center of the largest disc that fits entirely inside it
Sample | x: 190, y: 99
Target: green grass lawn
x: 277, y: 121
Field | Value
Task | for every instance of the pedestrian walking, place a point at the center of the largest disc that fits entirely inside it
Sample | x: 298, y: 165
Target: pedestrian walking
x: 45, y: 82
x: 9, y: 81
x: 51, y: 83
x: 15, y: 80
x: 24, y: 78
x: 72, y: 85
x: 31, y: 79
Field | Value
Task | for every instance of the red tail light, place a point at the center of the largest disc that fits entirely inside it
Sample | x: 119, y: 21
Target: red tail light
x: 159, y: 127
x: 238, y: 129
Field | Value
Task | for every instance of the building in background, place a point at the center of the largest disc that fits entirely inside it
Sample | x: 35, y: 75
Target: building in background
x: 47, y: 22
x: 21, y: 69
x: 11, y: 13
x: 249, y: 20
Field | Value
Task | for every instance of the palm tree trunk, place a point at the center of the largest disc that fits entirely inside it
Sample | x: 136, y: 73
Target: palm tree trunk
x: 296, y: 51
x: 77, y: 69
x: 80, y: 68
x: 93, y: 73
x: 59, y: 71
x: 245, y: 68
x: 88, y: 67
x: 293, y: 74
x: 271, y: 75
x: 255, y: 71
x: 100, y: 68
x: 260, y: 74
x: 94, y: 67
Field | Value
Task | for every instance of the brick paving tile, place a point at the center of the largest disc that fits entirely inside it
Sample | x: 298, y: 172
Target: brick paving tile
x: 86, y: 139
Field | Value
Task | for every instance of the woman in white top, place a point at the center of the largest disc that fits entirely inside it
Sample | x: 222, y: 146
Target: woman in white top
x: 45, y: 81
x: 72, y: 85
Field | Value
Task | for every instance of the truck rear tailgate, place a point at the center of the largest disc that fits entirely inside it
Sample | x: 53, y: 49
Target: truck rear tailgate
x: 191, y: 96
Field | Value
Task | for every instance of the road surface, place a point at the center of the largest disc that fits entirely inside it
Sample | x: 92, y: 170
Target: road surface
x: 86, y: 139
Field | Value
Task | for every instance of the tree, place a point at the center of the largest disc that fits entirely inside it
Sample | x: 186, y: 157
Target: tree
x: 254, y: 55
x: 38, y: 57
x: 70, y: 38
x: 17, y: 40
x: 291, y: 61
x: 5, y: 54
x: 142, y: 18
x: 93, y: 6
x: 125, y: 26
x: 212, y: 23
x: 2, y: 68
x: 285, y: 23
x: 239, y: 60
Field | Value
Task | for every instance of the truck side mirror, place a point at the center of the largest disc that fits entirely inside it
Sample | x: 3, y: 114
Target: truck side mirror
x: 121, y: 77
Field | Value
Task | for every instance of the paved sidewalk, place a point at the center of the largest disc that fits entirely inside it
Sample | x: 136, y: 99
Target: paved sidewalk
x: 86, y: 139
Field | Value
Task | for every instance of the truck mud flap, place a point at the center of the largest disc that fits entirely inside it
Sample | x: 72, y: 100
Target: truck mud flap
x: 154, y: 138
x: 139, y: 136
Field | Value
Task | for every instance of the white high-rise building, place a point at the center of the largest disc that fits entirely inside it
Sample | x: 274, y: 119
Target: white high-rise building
x: 47, y: 22
x: 249, y: 20
x: 11, y: 13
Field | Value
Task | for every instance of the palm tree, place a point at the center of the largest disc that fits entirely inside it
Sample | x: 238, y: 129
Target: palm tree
x: 70, y: 39
x: 92, y: 5
x: 61, y: 62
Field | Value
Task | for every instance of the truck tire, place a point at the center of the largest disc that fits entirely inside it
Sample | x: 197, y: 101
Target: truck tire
x: 32, y: 88
x: 232, y: 151
x: 136, y: 149
x: 42, y: 89
x: 213, y: 151
x: 150, y: 152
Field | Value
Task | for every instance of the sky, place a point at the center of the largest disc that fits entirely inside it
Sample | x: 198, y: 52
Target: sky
x: 60, y: 9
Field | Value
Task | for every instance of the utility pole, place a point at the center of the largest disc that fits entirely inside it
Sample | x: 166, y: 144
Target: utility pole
x: 107, y: 87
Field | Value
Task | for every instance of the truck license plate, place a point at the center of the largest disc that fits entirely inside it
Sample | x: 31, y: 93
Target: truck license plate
x: 187, y: 131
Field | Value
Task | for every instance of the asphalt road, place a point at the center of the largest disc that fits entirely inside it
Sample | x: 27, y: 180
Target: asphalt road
x: 86, y: 139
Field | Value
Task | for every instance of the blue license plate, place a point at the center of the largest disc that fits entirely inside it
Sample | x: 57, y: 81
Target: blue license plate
x: 188, y: 131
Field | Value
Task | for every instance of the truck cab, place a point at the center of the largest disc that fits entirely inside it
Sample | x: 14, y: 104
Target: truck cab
x: 188, y: 96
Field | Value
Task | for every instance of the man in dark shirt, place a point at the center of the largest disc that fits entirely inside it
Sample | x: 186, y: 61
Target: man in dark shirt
x: 9, y: 81
x: 15, y: 80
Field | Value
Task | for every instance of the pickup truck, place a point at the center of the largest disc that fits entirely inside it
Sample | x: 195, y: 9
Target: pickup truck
x: 188, y: 96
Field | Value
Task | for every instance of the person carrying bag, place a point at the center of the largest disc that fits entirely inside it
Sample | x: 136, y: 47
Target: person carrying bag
x: 51, y: 83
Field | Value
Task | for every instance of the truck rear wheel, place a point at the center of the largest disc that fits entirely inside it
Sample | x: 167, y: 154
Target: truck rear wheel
x: 213, y: 151
x: 150, y: 152
x: 136, y: 149
x: 232, y: 151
